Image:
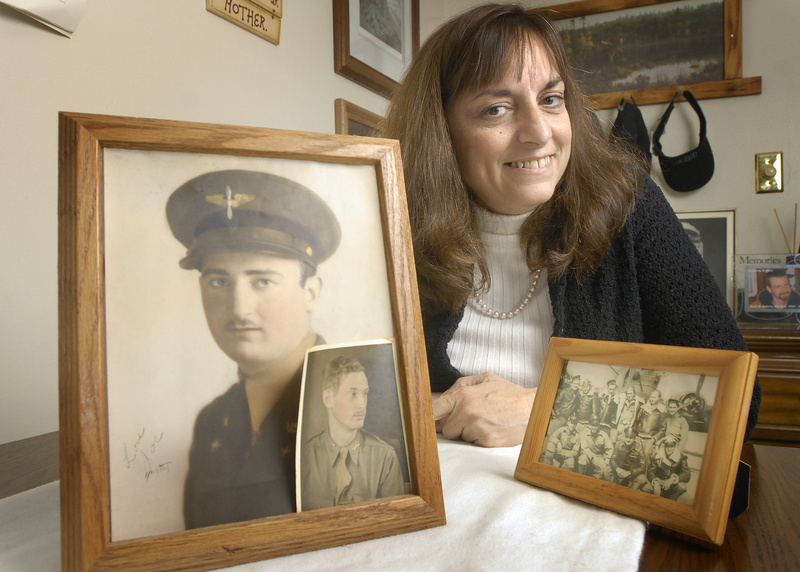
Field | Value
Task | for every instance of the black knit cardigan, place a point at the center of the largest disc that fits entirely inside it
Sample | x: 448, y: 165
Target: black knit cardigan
x: 653, y: 287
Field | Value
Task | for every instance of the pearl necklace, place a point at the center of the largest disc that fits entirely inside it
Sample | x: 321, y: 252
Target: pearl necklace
x: 492, y: 313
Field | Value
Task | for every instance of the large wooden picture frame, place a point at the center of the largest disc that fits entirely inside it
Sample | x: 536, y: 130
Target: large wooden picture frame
x: 731, y: 84
x: 375, y: 58
x: 121, y: 432
x: 712, y: 389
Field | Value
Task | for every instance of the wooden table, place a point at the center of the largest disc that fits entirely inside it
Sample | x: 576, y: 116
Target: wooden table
x: 766, y: 537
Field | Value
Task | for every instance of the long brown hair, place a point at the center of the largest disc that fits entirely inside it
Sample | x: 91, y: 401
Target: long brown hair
x: 572, y: 232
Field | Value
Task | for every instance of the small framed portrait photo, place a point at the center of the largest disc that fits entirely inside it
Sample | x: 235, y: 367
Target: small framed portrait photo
x: 772, y: 288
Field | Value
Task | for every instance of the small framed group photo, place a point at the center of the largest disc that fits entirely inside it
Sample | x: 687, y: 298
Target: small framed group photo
x: 653, y: 432
x: 713, y: 234
x: 199, y: 265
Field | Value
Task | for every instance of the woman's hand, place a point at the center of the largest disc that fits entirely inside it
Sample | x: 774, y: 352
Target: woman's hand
x: 484, y: 409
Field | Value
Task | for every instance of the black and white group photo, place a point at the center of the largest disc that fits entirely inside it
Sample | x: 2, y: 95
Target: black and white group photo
x: 638, y: 428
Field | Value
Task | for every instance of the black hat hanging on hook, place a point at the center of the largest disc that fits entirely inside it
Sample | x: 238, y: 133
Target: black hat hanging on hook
x: 694, y: 168
x: 629, y: 126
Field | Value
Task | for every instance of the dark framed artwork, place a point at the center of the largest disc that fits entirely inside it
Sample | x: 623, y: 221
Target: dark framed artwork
x: 143, y: 368
x: 374, y: 41
x: 653, y: 432
x: 354, y: 120
x: 646, y: 49
x: 713, y: 233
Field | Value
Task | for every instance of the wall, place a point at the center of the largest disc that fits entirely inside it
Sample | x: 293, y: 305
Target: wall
x: 145, y: 58
x: 174, y: 60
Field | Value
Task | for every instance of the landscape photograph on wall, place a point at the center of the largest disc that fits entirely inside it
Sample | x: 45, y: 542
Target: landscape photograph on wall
x: 673, y: 43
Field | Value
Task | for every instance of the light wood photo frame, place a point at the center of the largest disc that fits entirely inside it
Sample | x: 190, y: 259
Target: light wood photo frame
x: 137, y: 362
x: 709, y: 389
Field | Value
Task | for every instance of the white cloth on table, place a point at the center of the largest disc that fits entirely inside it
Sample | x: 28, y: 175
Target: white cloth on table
x: 30, y: 525
x: 494, y: 522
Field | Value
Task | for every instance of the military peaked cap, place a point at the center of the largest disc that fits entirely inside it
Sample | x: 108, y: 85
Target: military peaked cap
x: 251, y: 211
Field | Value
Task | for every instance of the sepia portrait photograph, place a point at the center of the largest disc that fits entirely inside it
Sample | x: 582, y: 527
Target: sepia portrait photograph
x: 220, y: 272
x: 639, y: 428
x: 197, y: 265
x: 351, y: 439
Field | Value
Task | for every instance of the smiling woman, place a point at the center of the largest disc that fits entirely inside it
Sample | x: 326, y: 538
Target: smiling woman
x: 527, y: 223
x: 512, y: 141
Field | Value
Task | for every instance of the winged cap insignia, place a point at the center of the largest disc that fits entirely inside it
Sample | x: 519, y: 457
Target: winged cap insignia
x: 230, y: 200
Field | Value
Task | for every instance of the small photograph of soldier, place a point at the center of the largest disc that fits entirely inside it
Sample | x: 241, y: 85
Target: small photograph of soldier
x: 351, y: 441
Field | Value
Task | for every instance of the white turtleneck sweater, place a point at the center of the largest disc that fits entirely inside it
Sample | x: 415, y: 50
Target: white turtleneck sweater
x: 514, y: 348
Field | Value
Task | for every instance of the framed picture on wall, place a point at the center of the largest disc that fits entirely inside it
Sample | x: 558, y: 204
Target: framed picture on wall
x: 354, y: 120
x: 713, y: 233
x: 374, y: 41
x: 646, y: 48
x: 198, y: 263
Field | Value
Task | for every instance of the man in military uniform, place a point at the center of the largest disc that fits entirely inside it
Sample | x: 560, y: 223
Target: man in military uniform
x: 628, y: 410
x: 667, y: 473
x: 648, y: 425
x: 595, y: 452
x: 609, y: 403
x: 675, y: 424
x: 256, y: 239
x: 563, y: 446
x: 628, y: 459
x: 566, y: 404
x: 343, y: 463
x: 588, y: 404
